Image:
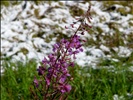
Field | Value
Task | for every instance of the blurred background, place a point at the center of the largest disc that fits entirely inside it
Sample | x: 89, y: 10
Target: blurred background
x: 30, y: 28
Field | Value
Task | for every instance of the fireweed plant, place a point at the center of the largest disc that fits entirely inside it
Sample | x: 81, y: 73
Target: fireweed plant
x: 53, y: 77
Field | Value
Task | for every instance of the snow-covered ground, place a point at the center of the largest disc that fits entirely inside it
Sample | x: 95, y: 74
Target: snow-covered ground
x: 30, y: 32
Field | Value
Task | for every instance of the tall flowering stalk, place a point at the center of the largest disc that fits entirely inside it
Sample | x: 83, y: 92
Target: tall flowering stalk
x: 53, y: 76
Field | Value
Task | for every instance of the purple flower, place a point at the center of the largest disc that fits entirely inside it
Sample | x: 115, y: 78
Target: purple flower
x: 54, y: 70
x: 81, y: 49
x: 65, y: 88
x: 75, y: 52
x: 65, y: 65
x: 51, y: 57
x: 50, y: 69
x: 36, y: 82
x: 63, y: 40
x: 41, y: 70
x: 71, y: 64
x: 56, y: 47
x: 70, y: 51
x: 47, y: 81
x: 44, y: 61
x: 62, y: 79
